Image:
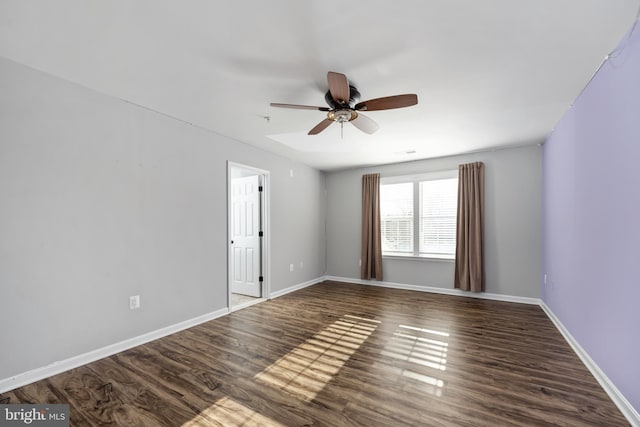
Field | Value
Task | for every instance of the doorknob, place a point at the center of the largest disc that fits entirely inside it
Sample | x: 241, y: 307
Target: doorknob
x: 232, y: 242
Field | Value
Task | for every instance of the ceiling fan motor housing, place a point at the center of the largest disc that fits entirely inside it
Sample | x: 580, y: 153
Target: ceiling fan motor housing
x: 354, y: 97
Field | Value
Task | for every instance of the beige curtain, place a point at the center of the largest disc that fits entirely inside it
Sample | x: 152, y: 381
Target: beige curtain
x: 371, y: 267
x: 469, y: 271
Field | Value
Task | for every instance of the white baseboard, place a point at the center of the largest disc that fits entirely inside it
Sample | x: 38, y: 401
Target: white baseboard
x: 91, y: 356
x: 432, y: 289
x: 58, y: 367
x: 297, y: 287
x: 73, y: 362
x: 618, y: 398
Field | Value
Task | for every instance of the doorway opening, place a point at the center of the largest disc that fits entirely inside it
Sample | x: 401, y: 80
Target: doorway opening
x: 248, y: 233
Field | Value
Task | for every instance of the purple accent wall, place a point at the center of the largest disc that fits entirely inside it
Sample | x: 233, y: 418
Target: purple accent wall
x: 591, y: 218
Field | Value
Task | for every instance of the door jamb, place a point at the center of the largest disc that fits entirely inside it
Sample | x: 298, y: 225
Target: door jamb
x: 266, y: 228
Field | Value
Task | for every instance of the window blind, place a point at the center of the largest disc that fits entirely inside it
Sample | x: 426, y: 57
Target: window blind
x: 438, y: 204
x: 396, y: 217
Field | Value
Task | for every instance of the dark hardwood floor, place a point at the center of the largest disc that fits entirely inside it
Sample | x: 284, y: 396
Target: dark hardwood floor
x: 343, y: 355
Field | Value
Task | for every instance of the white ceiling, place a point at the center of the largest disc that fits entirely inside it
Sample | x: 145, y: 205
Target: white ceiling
x: 488, y: 73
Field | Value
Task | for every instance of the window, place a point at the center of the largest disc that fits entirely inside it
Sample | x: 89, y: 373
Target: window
x: 418, y: 215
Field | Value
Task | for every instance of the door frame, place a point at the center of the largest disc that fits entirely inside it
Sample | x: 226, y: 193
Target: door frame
x: 266, y: 228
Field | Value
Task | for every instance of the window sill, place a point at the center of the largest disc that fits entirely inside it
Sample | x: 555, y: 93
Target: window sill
x: 443, y: 258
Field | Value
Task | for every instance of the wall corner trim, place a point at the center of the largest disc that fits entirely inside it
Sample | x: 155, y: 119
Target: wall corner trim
x: 618, y: 398
x: 58, y: 367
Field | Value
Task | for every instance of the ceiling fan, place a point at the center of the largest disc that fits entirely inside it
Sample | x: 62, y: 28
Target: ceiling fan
x: 344, y: 107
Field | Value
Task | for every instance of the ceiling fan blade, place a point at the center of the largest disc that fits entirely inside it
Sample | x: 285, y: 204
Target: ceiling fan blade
x: 338, y: 86
x: 388, y: 102
x: 300, y: 107
x: 365, y: 124
x: 320, y: 127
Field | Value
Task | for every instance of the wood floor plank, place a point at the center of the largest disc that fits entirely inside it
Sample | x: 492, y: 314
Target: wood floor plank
x: 341, y: 354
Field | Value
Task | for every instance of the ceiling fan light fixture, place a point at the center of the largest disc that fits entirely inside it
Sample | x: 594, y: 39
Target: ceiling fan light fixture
x: 342, y: 116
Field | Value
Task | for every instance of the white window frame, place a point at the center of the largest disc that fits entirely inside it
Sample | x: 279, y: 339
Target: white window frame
x: 416, y: 179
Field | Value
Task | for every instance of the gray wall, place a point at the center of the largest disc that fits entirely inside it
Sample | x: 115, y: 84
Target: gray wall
x: 512, y: 227
x: 101, y: 199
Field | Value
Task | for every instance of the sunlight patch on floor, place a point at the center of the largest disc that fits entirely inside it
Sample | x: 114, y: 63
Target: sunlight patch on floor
x: 303, y: 372
x: 428, y: 331
x: 229, y: 412
x: 306, y: 370
x: 418, y: 346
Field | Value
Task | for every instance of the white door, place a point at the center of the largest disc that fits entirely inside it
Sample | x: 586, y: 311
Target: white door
x: 245, y: 239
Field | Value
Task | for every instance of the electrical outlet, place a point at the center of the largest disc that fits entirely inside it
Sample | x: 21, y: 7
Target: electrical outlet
x: 291, y: 173
x: 359, y: 263
x: 545, y: 279
x: 290, y: 267
x: 134, y: 302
